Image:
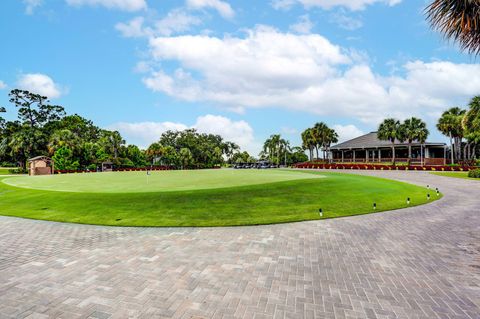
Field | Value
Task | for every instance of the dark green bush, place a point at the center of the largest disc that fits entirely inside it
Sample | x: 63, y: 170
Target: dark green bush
x: 18, y: 171
x: 474, y: 173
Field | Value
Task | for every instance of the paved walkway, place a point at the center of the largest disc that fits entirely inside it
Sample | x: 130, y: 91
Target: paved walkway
x: 421, y: 262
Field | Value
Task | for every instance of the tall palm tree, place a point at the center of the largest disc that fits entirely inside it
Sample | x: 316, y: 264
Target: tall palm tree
x: 471, y: 126
x: 331, y: 137
x: 450, y: 124
x: 458, y: 20
x: 308, y: 142
x: 414, y: 129
x: 320, y: 133
x: 390, y: 130
x: 60, y: 139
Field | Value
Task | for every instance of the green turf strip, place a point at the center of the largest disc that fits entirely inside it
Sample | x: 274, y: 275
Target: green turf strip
x: 156, y: 181
x: 463, y: 175
x: 287, y: 201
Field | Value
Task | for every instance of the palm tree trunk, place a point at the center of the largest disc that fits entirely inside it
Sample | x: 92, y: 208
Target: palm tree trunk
x: 409, y: 153
x: 316, y: 149
x: 451, y: 149
x: 393, y: 154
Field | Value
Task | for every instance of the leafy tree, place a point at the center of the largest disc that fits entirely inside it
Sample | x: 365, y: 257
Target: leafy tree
x: 186, y: 157
x: 308, y: 142
x: 62, y: 138
x: 450, y: 124
x: 458, y: 20
x: 471, y: 125
x: 391, y: 130
x: 63, y: 159
x: 414, y: 129
x: 136, y: 156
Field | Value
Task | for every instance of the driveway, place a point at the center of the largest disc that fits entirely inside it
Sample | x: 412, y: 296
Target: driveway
x: 420, y: 262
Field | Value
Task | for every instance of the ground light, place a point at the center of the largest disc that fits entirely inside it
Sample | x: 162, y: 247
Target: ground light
x: 408, y: 201
x: 320, y: 212
x: 428, y: 196
x: 374, y: 206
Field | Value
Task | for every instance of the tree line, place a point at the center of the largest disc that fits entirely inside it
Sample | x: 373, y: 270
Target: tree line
x: 75, y: 143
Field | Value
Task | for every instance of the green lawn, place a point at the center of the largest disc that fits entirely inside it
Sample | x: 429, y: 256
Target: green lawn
x: 157, y: 181
x: 296, y: 196
x: 5, y: 170
x: 455, y: 174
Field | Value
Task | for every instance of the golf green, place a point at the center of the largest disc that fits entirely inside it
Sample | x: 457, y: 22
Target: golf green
x: 202, y: 198
x: 155, y: 181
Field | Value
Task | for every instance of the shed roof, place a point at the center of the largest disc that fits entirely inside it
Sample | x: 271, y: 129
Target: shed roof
x: 40, y: 158
x: 371, y: 140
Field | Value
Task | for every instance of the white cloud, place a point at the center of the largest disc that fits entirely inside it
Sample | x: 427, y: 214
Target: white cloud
x: 31, y: 5
x: 145, y: 133
x: 239, y: 132
x: 267, y: 68
x: 176, y: 21
x: 347, y: 132
x: 328, y: 4
x: 124, y: 5
x: 40, y: 84
x: 223, y: 8
x: 2, y: 85
x: 303, y: 26
x: 345, y: 21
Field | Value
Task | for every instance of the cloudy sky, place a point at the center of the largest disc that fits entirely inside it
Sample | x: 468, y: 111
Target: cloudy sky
x: 243, y: 69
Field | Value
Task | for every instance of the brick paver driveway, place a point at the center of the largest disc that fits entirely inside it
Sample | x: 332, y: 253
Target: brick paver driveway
x: 421, y: 262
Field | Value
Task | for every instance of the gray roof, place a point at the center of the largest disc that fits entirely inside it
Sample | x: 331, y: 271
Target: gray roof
x: 39, y: 158
x: 371, y: 140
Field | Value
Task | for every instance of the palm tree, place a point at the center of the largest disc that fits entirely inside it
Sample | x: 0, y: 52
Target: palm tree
x: 154, y: 151
x: 185, y: 157
x: 60, y: 139
x: 271, y: 146
x: 331, y: 137
x: 471, y: 126
x: 414, y: 129
x: 320, y: 133
x: 458, y: 20
x: 450, y: 124
x: 308, y: 142
x: 390, y: 130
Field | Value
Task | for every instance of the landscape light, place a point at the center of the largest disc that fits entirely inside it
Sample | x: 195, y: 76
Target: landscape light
x: 428, y: 196
x: 374, y: 206
x: 408, y: 201
x: 320, y: 211
x: 438, y: 192
x: 428, y: 186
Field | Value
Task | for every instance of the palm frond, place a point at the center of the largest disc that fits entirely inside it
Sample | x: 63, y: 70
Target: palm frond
x: 458, y: 20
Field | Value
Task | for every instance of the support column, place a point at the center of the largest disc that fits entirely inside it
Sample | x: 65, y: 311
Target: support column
x: 354, y: 156
x: 366, y: 156
x: 342, y: 156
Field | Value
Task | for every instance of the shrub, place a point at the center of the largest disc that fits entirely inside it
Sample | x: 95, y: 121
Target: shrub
x: 474, y: 173
x: 18, y: 170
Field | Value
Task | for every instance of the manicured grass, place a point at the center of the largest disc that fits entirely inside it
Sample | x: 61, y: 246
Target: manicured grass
x: 5, y: 170
x: 157, y: 181
x: 455, y: 174
x: 285, y: 201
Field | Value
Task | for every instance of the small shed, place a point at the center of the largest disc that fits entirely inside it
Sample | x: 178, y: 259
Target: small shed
x: 107, y: 167
x: 40, y: 165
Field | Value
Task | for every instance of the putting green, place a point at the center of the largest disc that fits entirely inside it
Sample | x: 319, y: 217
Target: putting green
x: 203, y: 198
x: 157, y: 181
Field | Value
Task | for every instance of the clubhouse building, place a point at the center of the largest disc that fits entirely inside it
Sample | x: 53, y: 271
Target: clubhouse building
x: 369, y: 149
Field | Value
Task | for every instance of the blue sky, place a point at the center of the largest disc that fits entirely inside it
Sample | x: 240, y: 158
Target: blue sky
x: 242, y: 69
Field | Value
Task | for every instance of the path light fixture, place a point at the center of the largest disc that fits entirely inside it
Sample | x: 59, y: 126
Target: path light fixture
x: 408, y: 201
x: 428, y: 196
x: 428, y: 186
x: 438, y: 192
x: 374, y: 206
x: 320, y: 212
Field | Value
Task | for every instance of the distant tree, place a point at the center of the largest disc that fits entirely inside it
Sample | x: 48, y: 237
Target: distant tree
x: 63, y: 159
x: 391, y: 130
x: 136, y: 156
x: 450, y: 124
x: 414, y: 129
x: 471, y: 126
x: 308, y: 142
x: 62, y: 138
x: 458, y: 20
x: 186, y: 158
